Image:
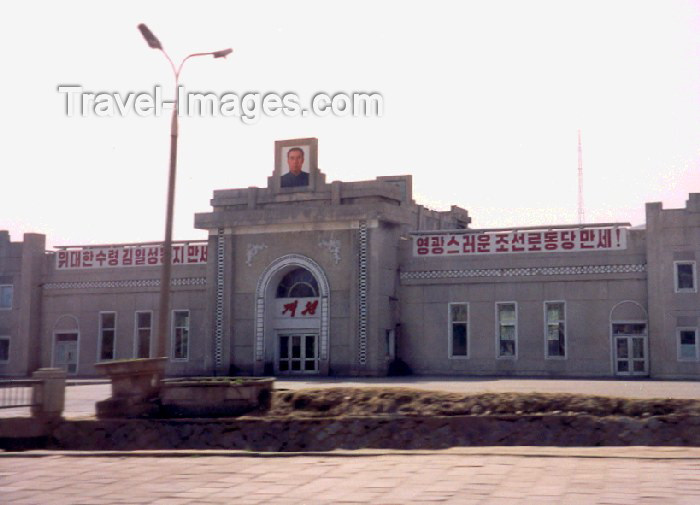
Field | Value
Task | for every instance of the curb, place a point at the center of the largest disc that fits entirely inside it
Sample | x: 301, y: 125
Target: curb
x: 610, y: 452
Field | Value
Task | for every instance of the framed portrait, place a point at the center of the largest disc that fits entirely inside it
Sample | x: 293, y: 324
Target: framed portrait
x: 296, y: 164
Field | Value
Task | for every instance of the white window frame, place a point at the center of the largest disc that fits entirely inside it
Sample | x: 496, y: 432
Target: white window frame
x: 9, y: 348
x: 12, y: 295
x: 498, y: 331
x: 694, y: 289
x: 678, y: 342
x: 546, y: 330
x: 173, y: 332
x: 450, y: 323
x: 99, y: 336
x: 136, y: 333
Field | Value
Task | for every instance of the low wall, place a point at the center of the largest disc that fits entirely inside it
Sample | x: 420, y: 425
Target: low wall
x: 21, y: 433
x: 400, y: 432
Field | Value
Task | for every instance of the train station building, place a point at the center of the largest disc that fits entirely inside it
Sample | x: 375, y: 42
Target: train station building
x: 306, y: 276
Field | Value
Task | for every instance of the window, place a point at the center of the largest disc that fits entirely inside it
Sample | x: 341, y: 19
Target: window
x: 142, y: 334
x: 6, y: 297
x: 4, y: 349
x: 459, y: 330
x: 390, y: 336
x: 506, y: 330
x: 181, y: 334
x: 108, y: 332
x: 684, y: 278
x: 555, y: 329
x: 299, y: 283
x: 687, y: 344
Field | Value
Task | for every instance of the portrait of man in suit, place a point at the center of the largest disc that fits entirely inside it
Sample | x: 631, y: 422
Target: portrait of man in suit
x: 296, y: 176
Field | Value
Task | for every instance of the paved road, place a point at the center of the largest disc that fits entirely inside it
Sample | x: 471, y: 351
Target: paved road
x: 497, y: 475
x: 504, y: 476
x: 80, y: 400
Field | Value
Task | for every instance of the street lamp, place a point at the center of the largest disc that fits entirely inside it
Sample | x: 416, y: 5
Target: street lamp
x: 164, y: 304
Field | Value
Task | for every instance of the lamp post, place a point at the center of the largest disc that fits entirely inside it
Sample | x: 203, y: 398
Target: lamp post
x: 164, y: 303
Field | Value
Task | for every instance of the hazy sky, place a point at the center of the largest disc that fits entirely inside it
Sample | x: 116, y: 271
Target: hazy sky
x: 482, y: 103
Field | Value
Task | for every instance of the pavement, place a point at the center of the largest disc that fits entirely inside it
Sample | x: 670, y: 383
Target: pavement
x: 465, y: 475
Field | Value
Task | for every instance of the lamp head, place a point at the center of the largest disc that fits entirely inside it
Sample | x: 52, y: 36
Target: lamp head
x: 223, y: 53
x: 151, y: 39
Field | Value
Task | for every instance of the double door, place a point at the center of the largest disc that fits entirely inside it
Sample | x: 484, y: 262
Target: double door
x: 297, y: 352
x: 630, y: 348
x: 66, y: 352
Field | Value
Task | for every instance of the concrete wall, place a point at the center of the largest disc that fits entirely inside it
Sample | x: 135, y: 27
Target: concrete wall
x: 672, y: 235
x: 589, y: 299
x: 73, y: 300
x: 248, y: 270
x: 21, y: 266
x: 262, y: 225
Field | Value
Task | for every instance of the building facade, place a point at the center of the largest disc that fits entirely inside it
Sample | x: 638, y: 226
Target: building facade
x: 354, y: 278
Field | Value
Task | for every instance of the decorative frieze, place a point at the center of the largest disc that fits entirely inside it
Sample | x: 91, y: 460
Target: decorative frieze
x: 525, y: 271
x: 362, y: 294
x: 136, y: 283
x: 219, y: 322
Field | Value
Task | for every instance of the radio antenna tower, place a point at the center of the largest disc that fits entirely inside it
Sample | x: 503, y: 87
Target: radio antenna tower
x: 581, y: 216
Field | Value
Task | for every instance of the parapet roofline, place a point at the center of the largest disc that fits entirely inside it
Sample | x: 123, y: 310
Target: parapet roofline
x: 463, y: 231
x: 128, y: 244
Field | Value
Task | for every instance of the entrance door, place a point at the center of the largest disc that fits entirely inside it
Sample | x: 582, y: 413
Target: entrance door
x: 630, y: 348
x: 298, y: 353
x: 66, y: 352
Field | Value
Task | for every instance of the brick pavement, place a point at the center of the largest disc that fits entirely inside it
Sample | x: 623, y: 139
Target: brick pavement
x: 503, y: 476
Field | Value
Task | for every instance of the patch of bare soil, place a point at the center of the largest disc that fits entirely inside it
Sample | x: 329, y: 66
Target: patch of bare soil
x: 343, y: 401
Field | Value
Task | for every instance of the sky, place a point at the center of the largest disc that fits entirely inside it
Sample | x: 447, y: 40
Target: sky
x: 482, y: 104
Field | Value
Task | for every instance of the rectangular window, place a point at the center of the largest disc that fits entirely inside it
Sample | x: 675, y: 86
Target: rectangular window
x: 390, y: 336
x: 4, y: 349
x: 142, y: 334
x: 555, y: 329
x: 108, y: 334
x: 687, y: 344
x: 458, y: 330
x: 181, y: 334
x: 507, y: 329
x: 6, y: 291
x: 684, y: 276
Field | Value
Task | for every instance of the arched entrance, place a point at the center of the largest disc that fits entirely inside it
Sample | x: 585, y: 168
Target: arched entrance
x: 629, y: 335
x: 66, y: 339
x: 292, y: 317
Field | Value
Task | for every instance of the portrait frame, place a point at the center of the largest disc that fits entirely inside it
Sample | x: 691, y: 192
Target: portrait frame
x: 309, y: 146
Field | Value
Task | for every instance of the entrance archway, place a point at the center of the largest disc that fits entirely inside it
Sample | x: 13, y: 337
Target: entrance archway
x: 292, y: 320
x: 629, y: 339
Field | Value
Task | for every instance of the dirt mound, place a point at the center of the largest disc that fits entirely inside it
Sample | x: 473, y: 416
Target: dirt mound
x: 345, y: 401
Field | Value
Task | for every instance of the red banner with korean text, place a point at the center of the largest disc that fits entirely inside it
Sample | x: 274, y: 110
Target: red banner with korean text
x: 129, y: 256
x: 526, y: 241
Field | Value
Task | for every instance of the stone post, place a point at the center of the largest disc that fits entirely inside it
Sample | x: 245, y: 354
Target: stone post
x: 49, y: 397
x: 135, y: 387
